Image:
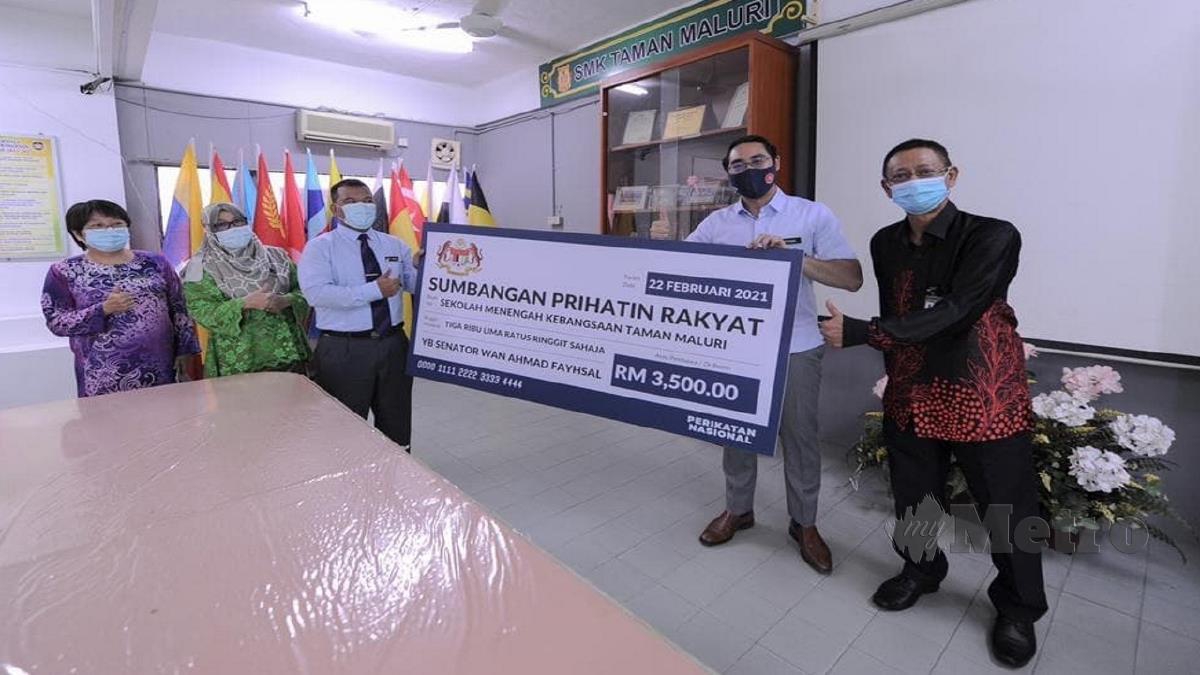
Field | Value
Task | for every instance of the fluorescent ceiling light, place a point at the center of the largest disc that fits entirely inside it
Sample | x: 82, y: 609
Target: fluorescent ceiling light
x: 635, y: 89
x: 379, y: 19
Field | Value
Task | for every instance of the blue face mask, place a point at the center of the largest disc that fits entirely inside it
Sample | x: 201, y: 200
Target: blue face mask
x: 109, y: 240
x: 920, y: 195
x: 359, y: 216
x: 235, y: 238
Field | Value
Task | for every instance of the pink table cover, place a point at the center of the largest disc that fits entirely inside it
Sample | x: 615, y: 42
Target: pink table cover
x: 252, y: 524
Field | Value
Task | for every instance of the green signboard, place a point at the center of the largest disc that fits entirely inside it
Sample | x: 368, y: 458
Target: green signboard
x: 683, y: 30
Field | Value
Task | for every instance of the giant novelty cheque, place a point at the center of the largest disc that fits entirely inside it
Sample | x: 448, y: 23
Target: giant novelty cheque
x: 689, y: 338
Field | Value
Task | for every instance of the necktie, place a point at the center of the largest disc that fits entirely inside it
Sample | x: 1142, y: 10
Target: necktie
x: 381, y: 314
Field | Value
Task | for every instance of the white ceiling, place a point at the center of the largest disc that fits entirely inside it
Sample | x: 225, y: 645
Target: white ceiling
x: 68, y: 7
x: 279, y: 25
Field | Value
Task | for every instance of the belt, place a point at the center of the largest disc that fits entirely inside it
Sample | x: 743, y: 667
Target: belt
x: 371, y: 334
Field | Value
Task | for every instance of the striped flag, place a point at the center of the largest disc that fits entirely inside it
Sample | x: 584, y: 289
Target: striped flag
x: 335, y: 177
x: 220, y: 192
x: 185, y: 232
x: 412, y: 206
x: 381, y: 206
x: 244, y: 195
x: 400, y: 224
x: 427, y: 205
x: 458, y: 204
x: 477, y: 211
x: 314, y: 200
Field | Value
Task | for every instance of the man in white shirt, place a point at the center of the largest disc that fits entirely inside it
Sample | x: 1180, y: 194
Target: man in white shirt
x: 352, y: 276
x: 766, y: 217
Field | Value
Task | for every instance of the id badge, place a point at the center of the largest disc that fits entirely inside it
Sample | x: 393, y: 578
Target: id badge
x: 933, y: 296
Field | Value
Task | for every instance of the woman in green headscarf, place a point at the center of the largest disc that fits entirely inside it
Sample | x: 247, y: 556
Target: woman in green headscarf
x: 246, y: 296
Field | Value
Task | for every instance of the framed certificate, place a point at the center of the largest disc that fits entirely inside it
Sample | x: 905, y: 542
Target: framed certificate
x: 684, y: 121
x: 630, y: 198
x: 639, y: 127
x: 735, y: 116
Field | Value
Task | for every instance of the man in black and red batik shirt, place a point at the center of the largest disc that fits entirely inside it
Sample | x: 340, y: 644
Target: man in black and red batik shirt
x: 956, y: 384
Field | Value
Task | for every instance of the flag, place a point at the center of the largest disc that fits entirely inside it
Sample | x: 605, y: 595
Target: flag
x: 427, y: 196
x: 314, y: 200
x: 443, y: 213
x: 453, y: 209
x: 244, y: 195
x: 400, y: 225
x: 220, y: 192
x: 458, y: 205
x: 414, y: 208
x: 477, y: 212
x: 267, y: 223
x: 381, y: 207
x: 466, y: 188
x: 293, y: 214
x: 185, y: 232
x: 335, y: 177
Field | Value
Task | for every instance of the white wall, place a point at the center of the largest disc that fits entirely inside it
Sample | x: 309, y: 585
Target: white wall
x: 1078, y: 120
x: 506, y: 96
x: 34, y: 101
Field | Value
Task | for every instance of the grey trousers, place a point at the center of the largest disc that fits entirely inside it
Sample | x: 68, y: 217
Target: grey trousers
x: 801, y: 451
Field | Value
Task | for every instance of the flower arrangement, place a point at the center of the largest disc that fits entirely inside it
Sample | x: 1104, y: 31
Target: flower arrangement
x: 1094, y: 467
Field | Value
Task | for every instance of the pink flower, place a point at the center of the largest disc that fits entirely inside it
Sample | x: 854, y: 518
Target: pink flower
x: 1031, y: 352
x: 880, y: 386
x: 1090, y: 382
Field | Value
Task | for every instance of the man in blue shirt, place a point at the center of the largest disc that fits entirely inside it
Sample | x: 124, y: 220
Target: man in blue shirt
x: 352, y: 276
x: 766, y: 217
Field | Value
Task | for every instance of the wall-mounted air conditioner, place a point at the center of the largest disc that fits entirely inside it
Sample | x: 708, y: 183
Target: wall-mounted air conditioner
x: 323, y: 127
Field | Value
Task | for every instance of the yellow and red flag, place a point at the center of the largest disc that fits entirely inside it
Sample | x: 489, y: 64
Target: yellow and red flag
x: 220, y: 192
x: 400, y: 225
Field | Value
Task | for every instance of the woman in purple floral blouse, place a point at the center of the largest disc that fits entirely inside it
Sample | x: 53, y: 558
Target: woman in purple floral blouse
x: 123, y: 310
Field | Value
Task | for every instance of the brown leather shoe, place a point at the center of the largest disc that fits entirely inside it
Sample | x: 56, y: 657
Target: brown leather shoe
x: 722, y: 528
x: 813, y: 549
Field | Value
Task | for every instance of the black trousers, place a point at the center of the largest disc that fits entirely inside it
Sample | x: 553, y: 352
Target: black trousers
x: 367, y: 374
x: 1000, y: 475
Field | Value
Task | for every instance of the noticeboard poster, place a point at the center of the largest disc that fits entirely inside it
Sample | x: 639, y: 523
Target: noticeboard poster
x: 30, y: 198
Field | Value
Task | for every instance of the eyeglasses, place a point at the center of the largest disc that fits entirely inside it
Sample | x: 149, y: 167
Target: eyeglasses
x: 221, y: 226
x: 756, y: 162
x: 921, y: 172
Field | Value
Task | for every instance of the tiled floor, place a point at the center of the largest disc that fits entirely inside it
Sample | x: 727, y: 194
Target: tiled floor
x: 623, y: 506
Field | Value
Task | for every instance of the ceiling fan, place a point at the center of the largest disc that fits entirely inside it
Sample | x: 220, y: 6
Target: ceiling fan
x: 484, y: 23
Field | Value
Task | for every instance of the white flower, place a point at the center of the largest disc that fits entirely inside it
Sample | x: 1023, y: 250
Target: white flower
x: 1090, y: 382
x: 1146, y: 436
x: 1063, y: 407
x: 1098, y: 470
x: 880, y: 386
x: 1031, y: 351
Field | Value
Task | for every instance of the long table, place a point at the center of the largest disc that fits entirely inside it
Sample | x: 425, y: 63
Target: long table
x: 252, y: 524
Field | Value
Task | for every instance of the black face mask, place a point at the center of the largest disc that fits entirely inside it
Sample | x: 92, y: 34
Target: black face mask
x: 753, y: 183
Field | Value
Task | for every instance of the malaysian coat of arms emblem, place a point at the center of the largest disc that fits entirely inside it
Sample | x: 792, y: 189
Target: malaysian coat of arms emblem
x: 459, y: 257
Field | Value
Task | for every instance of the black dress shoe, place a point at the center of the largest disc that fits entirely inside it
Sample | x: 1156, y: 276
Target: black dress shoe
x: 1013, y: 641
x: 900, y: 592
